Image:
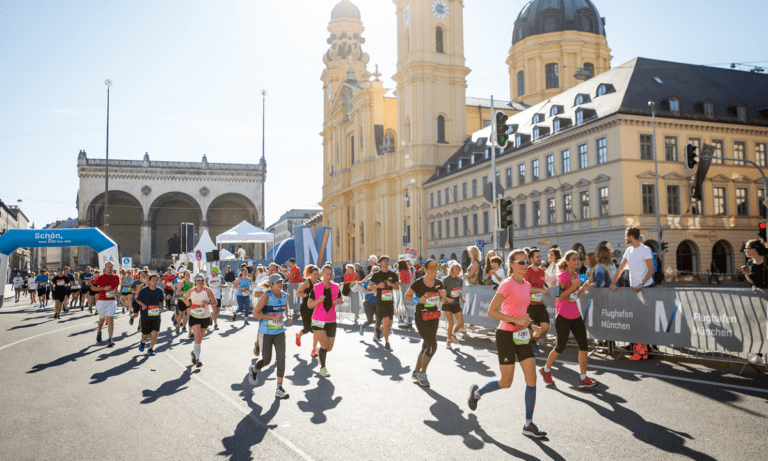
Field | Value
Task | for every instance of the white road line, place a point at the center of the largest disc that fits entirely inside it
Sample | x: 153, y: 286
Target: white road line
x: 239, y: 407
x: 676, y: 378
x: 46, y: 333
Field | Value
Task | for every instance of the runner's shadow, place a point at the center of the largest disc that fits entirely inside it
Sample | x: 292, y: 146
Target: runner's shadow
x: 231, y: 330
x: 319, y: 400
x: 663, y: 438
x: 168, y: 388
x: 84, y: 332
x: 469, y: 363
x: 390, y: 364
x: 302, y: 371
x: 135, y: 362
x: 450, y: 420
x: 116, y: 352
x: 29, y: 325
x: 251, y: 429
x: 64, y: 360
x: 264, y: 373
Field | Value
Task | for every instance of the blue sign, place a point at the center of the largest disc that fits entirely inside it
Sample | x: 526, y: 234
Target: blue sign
x: 405, y: 240
x: 24, y: 238
x: 479, y: 244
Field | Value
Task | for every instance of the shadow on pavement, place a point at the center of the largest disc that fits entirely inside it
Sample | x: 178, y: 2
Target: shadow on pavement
x: 250, y: 431
x: 390, y: 364
x: 319, y: 400
x: 168, y: 388
x: 66, y: 359
x: 135, y: 362
x: 469, y: 363
x: 229, y: 331
x: 302, y: 371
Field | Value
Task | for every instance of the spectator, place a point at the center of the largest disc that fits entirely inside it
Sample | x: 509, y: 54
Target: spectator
x: 639, y: 259
x: 591, y: 263
x: 604, y: 270
x: 488, y: 268
x: 473, y: 274
x: 496, y: 276
x: 293, y: 273
x: 756, y: 270
x: 713, y: 273
x: 240, y: 253
x: 372, y: 261
x: 403, y: 271
x: 553, y: 257
x: 359, y: 270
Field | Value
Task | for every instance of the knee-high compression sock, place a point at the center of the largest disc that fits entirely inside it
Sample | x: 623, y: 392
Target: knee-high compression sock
x: 197, y: 351
x: 322, y: 354
x: 530, y: 401
x: 490, y: 386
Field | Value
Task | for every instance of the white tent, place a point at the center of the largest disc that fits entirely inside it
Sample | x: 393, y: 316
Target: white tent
x: 225, y: 255
x: 246, y: 232
x: 205, y: 245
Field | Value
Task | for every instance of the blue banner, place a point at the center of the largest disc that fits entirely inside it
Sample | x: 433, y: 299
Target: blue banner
x: 32, y: 238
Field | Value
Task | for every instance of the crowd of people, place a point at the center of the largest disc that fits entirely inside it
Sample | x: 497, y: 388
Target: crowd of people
x: 434, y: 288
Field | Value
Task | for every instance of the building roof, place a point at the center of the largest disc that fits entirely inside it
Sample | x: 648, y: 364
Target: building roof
x: 627, y: 89
x: 486, y: 104
x: 545, y: 16
x: 345, y: 9
x: 304, y: 213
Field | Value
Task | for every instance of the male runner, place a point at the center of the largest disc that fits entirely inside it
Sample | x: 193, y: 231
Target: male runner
x: 136, y: 286
x: 17, y: 285
x: 535, y: 275
x: 150, y: 300
x: 106, y: 285
x: 214, y: 283
x: 71, y: 279
x: 167, y: 282
x: 385, y: 281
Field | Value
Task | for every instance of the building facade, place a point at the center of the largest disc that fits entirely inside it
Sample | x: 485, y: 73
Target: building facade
x: 148, y: 200
x: 580, y: 168
x: 283, y: 228
x: 11, y: 217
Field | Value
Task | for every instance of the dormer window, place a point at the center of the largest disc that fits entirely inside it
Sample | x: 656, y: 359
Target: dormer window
x: 537, y: 118
x: 556, y: 126
x: 581, y: 99
x: 709, y: 109
x: 553, y: 111
x: 540, y: 132
x: 604, y: 89
x: 674, y: 105
x: 580, y: 117
x: 741, y: 112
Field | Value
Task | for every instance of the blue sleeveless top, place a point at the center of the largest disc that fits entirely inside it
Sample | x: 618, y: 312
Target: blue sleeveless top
x: 274, y: 306
x: 244, y: 283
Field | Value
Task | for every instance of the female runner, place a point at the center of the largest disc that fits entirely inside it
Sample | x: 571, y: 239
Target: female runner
x: 425, y: 293
x: 311, y: 274
x: 325, y: 296
x: 199, y: 299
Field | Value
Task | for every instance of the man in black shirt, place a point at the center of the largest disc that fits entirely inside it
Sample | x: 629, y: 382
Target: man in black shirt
x: 385, y: 282
x: 230, y: 276
x: 150, y: 300
x: 60, y: 284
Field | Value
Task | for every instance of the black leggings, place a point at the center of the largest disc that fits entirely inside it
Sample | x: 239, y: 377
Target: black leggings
x: 265, y: 343
x: 564, y: 327
x: 306, y: 319
x: 370, y: 310
x: 428, y: 331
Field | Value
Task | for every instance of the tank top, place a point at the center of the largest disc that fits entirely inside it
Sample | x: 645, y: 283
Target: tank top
x: 274, y: 305
x: 184, y: 289
x: 199, y: 309
x: 475, y: 278
x: 305, y: 299
x: 244, y: 283
x: 320, y: 314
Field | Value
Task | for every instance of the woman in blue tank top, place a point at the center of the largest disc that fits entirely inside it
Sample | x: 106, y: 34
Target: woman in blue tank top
x: 242, y: 286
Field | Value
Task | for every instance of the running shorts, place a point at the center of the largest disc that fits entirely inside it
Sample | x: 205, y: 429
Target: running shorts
x: 148, y: 326
x: 385, y: 310
x: 136, y: 307
x: 106, y: 308
x: 181, y: 305
x: 59, y: 295
x: 453, y: 308
x: 329, y: 328
x: 508, y: 350
x: 168, y: 292
x: 538, y: 313
x: 41, y: 291
x: 204, y: 322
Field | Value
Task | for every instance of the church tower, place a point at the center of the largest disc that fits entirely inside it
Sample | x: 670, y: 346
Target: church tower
x: 431, y: 82
x: 556, y: 44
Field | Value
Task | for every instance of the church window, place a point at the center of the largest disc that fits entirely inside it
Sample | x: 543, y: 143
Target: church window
x: 550, y: 24
x: 441, y: 129
x: 589, y: 67
x: 352, y: 148
x: 520, y: 83
x: 586, y: 24
x: 439, y: 45
x: 553, y: 75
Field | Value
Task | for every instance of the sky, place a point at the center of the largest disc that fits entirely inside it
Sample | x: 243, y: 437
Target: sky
x: 188, y: 76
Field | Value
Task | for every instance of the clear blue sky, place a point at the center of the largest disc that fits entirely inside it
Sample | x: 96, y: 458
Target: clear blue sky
x: 187, y: 76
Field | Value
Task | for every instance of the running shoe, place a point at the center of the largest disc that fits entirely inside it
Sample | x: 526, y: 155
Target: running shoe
x: 587, y: 383
x: 98, y: 337
x: 81, y: 308
x: 234, y: 316
x: 194, y: 360
x: 151, y: 352
x: 256, y: 349
x: 130, y: 322
x: 535, y: 347
x: 190, y: 335
x: 183, y: 329
x: 387, y: 347
x: 141, y: 346
x: 362, y: 330
x: 215, y: 327
x: 253, y: 375
x: 448, y: 344
x: 246, y: 322
x: 298, y: 339
x: 423, y: 381
x: 375, y: 337
x: 415, y: 376
x: 473, y: 398
x: 531, y: 430
x: 281, y: 394
x: 324, y: 372
x: 455, y: 340
x: 66, y: 311
x: 111, y: 343
x: 547, y: 377
x: 314, y: 353
x: 173, y: 319
x: 199, y: 364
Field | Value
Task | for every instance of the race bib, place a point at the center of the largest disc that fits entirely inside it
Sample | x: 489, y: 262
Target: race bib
x: 60, y: 283
x: 214, y: 284
x: 275, y: 325
x: 153, y: 311
x: 197, y: 311
x: 521, y: 337
x: 432, y: 299
x: 456, y: 292
x: 386, y: 295
x: 110, y: 294
x: 572, y: 298
x: 537, y: 297
x: 169, y: 284
x: 318, y: 324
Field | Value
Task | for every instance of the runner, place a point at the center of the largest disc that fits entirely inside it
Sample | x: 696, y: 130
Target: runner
x: 311, y: 274
x: 569, y: 319
x: 243, y: 286
x: 426, y: 292
x: 60, y: 283
x: 325, y: 296
x: 199, y: 299
x: 453, y: 302
x: 42, y: 288
x: 536, y: 276
x: 106, y: 285
x: 150, y: 300
x: 136, y: 286
x: 127, y: 281
x: 271, y: 312
x: 369, y: 304
x: 182, y: 288
x: 214, y: 283
x: 510, y: 305
x: 386, y: 282
x: 32, y: 287
x: 74, y: 287
x: 167, y: 283
x: 18, y: 285
x: 85, y: 287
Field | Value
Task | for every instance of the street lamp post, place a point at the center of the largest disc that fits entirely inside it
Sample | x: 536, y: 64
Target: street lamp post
x: 656, y: 166
x: 416, y: 194
x: 107, y: 82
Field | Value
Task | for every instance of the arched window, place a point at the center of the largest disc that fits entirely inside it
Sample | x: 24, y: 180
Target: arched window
x: 439, y: 45
x: 441, y: 129
x: 553, y: 76
x: 520, y: 83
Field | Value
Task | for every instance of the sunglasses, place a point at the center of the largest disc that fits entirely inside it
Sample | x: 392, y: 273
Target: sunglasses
x: 523, y: 262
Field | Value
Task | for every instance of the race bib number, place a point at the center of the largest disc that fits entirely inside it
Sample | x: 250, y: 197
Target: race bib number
x: 318, y: 323
x: 456, y: 292
x: 386, y: 295
x: 153, y: 311
x: 275, y: 325
x: 537, y: 297
x: 573, y: 297
x: 110, y: 294
x: 197, y: 311
x: 214, y: 284
x: 432, y: 299
x: 60, y: 283
x: 521, y: 337
x: 169, y: 284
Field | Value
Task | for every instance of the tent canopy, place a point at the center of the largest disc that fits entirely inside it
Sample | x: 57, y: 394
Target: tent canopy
x: 225, y: 255
x: 245, y: 232
x: 205, y: 245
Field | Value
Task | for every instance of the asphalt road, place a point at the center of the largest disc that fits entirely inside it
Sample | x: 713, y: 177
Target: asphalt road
x: 66, y: 397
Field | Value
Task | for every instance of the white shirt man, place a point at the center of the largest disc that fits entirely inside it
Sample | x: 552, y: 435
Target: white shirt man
x: 240, y: 254
x: 639, y: 259
x: 18, y: 284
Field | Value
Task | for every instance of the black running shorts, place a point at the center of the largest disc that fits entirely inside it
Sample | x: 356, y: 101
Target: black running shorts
x: 538, y: 313
x: 508, y: 350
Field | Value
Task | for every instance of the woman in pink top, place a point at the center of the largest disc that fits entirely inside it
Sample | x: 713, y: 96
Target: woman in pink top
x: 513, y: 340
x: 323, y: 299
x: 569, y: 319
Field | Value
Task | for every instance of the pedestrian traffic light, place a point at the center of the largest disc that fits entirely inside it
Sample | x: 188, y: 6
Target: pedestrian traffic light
x: 690, y: 156
x: 501, y: 129
x: 761, y: 231
x: 664, y: 246
x: 505, y: 207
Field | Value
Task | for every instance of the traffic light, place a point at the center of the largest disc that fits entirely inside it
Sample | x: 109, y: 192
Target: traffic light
x: 501, y: 129
x: 664, y: 246
x: 690, y: 156
x: 505, y: 207
x: 761, y: 231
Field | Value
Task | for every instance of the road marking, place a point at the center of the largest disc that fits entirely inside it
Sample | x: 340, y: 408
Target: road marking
x: 676, y: 378
x: 46, y: 333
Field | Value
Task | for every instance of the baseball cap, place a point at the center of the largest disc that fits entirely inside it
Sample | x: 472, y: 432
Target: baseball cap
x: 275, y: 278
x: 215, y: 269
x: 200, y: 277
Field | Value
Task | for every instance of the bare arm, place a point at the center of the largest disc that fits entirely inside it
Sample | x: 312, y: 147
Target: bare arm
x: 495, y: 312
x: 619, y: 271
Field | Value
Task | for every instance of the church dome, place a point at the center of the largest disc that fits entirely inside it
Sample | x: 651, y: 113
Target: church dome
x: 545, y: 16
x: 345, y: 10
